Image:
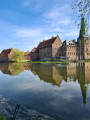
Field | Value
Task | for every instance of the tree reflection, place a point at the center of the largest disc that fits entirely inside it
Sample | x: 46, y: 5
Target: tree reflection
x: 54, y: 73
x: 11, y: 69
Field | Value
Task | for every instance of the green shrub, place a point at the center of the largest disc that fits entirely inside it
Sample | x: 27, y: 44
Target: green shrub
x: 2, y: 118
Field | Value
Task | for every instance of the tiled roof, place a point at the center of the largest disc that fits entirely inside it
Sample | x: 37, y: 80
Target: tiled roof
x: 5, y: 52
x: 46, y: 43
x: 26, y: 53
x: 34, y: 50
x: 70, y: 42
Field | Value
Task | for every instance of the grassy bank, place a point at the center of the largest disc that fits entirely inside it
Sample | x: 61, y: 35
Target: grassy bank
x: 54, y: 61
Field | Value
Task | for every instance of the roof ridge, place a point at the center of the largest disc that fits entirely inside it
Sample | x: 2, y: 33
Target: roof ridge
x: 46, y: 43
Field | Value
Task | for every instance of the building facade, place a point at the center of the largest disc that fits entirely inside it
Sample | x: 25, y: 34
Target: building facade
x: 26, y: 56
x: 34, y: 54
x: 69, y: 49
x: 47, y: 50
x: 5, y: 55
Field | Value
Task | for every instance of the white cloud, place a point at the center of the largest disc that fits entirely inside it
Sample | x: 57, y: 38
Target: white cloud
x: 32, y: 4
x: 57, y: 15
x: 25, y: 32
x: 72, y: 33
x: 55, y: 21
x: 26, y: 2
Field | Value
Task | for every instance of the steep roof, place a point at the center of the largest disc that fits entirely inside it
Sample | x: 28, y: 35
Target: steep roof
x: 5, y: 52
x: 83, y: 29
x: 46, y: 43
x: 69, y: 42
x: 34, y: 50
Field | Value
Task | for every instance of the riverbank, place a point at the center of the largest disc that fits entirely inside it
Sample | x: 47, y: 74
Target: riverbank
x: 54, y: 61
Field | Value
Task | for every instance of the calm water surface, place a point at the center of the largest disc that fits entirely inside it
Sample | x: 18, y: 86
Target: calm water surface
x: 45, y: 91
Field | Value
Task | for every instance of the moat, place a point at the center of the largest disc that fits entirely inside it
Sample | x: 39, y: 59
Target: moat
x: 45, y: 91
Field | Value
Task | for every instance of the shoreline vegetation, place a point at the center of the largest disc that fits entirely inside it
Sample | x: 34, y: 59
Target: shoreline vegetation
x: 53, y: 61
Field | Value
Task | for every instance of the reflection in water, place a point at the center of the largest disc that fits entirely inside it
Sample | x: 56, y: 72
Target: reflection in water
x: 53, y: 98
x: 11, y: 69
x: 54, y: 74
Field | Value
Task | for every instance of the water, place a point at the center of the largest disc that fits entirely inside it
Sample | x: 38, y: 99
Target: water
x: 45, y: 91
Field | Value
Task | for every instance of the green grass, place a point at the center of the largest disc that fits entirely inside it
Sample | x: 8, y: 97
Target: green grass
x: 82, y: 61
x: 50, y: 62
x: 53, y: 61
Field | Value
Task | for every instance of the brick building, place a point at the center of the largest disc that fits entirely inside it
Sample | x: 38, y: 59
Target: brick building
x: 69, y: 49
x: 5, y: 55
x: 26, y: 56
x: 47, y: 50
x: 34, y: 54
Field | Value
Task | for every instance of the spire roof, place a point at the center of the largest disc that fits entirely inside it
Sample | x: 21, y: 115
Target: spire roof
x: 83, y: 29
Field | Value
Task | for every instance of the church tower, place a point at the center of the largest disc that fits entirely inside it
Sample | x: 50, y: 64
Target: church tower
x: 83, y: 41
x: 84, y: 89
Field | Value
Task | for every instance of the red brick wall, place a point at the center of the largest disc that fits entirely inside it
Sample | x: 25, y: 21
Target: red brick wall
x: 26, y: 57
x: 55, y: 48
x: 34, y: 56
x: 86, y: 49
x: 71, y: 52
x: 83, y: 52
x: 45, y: 53
x: 4, y: 58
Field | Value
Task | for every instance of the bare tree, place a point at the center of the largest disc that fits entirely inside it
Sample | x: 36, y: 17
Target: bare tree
x: 81, y: 8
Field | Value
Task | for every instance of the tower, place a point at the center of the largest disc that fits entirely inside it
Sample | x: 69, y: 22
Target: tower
x: 84, y: 89
x: 83, y: 41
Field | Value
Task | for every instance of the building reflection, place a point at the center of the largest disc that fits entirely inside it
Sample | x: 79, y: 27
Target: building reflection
x: 54, y: 73
x: 83, y: 71
x: 11, y: 69
x: 48, y: 73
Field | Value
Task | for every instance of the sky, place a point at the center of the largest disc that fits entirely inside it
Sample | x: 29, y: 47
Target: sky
x: 24, y: 23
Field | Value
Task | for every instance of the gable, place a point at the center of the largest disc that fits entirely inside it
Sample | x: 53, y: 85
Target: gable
x: 5, y: 52
x: 46, y: 43
x: 57, y: 42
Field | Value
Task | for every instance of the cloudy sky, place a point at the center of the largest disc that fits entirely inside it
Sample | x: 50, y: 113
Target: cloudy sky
x: 24, y: 23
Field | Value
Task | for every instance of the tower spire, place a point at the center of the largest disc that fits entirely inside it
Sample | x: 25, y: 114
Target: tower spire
x: 83, y: 28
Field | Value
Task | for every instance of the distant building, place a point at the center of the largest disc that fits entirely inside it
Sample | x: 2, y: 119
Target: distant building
x: 34, y: 54
x: 26, y: 56
x: 5, y: 55
x: 70, y: 49
x: 47, y: 50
